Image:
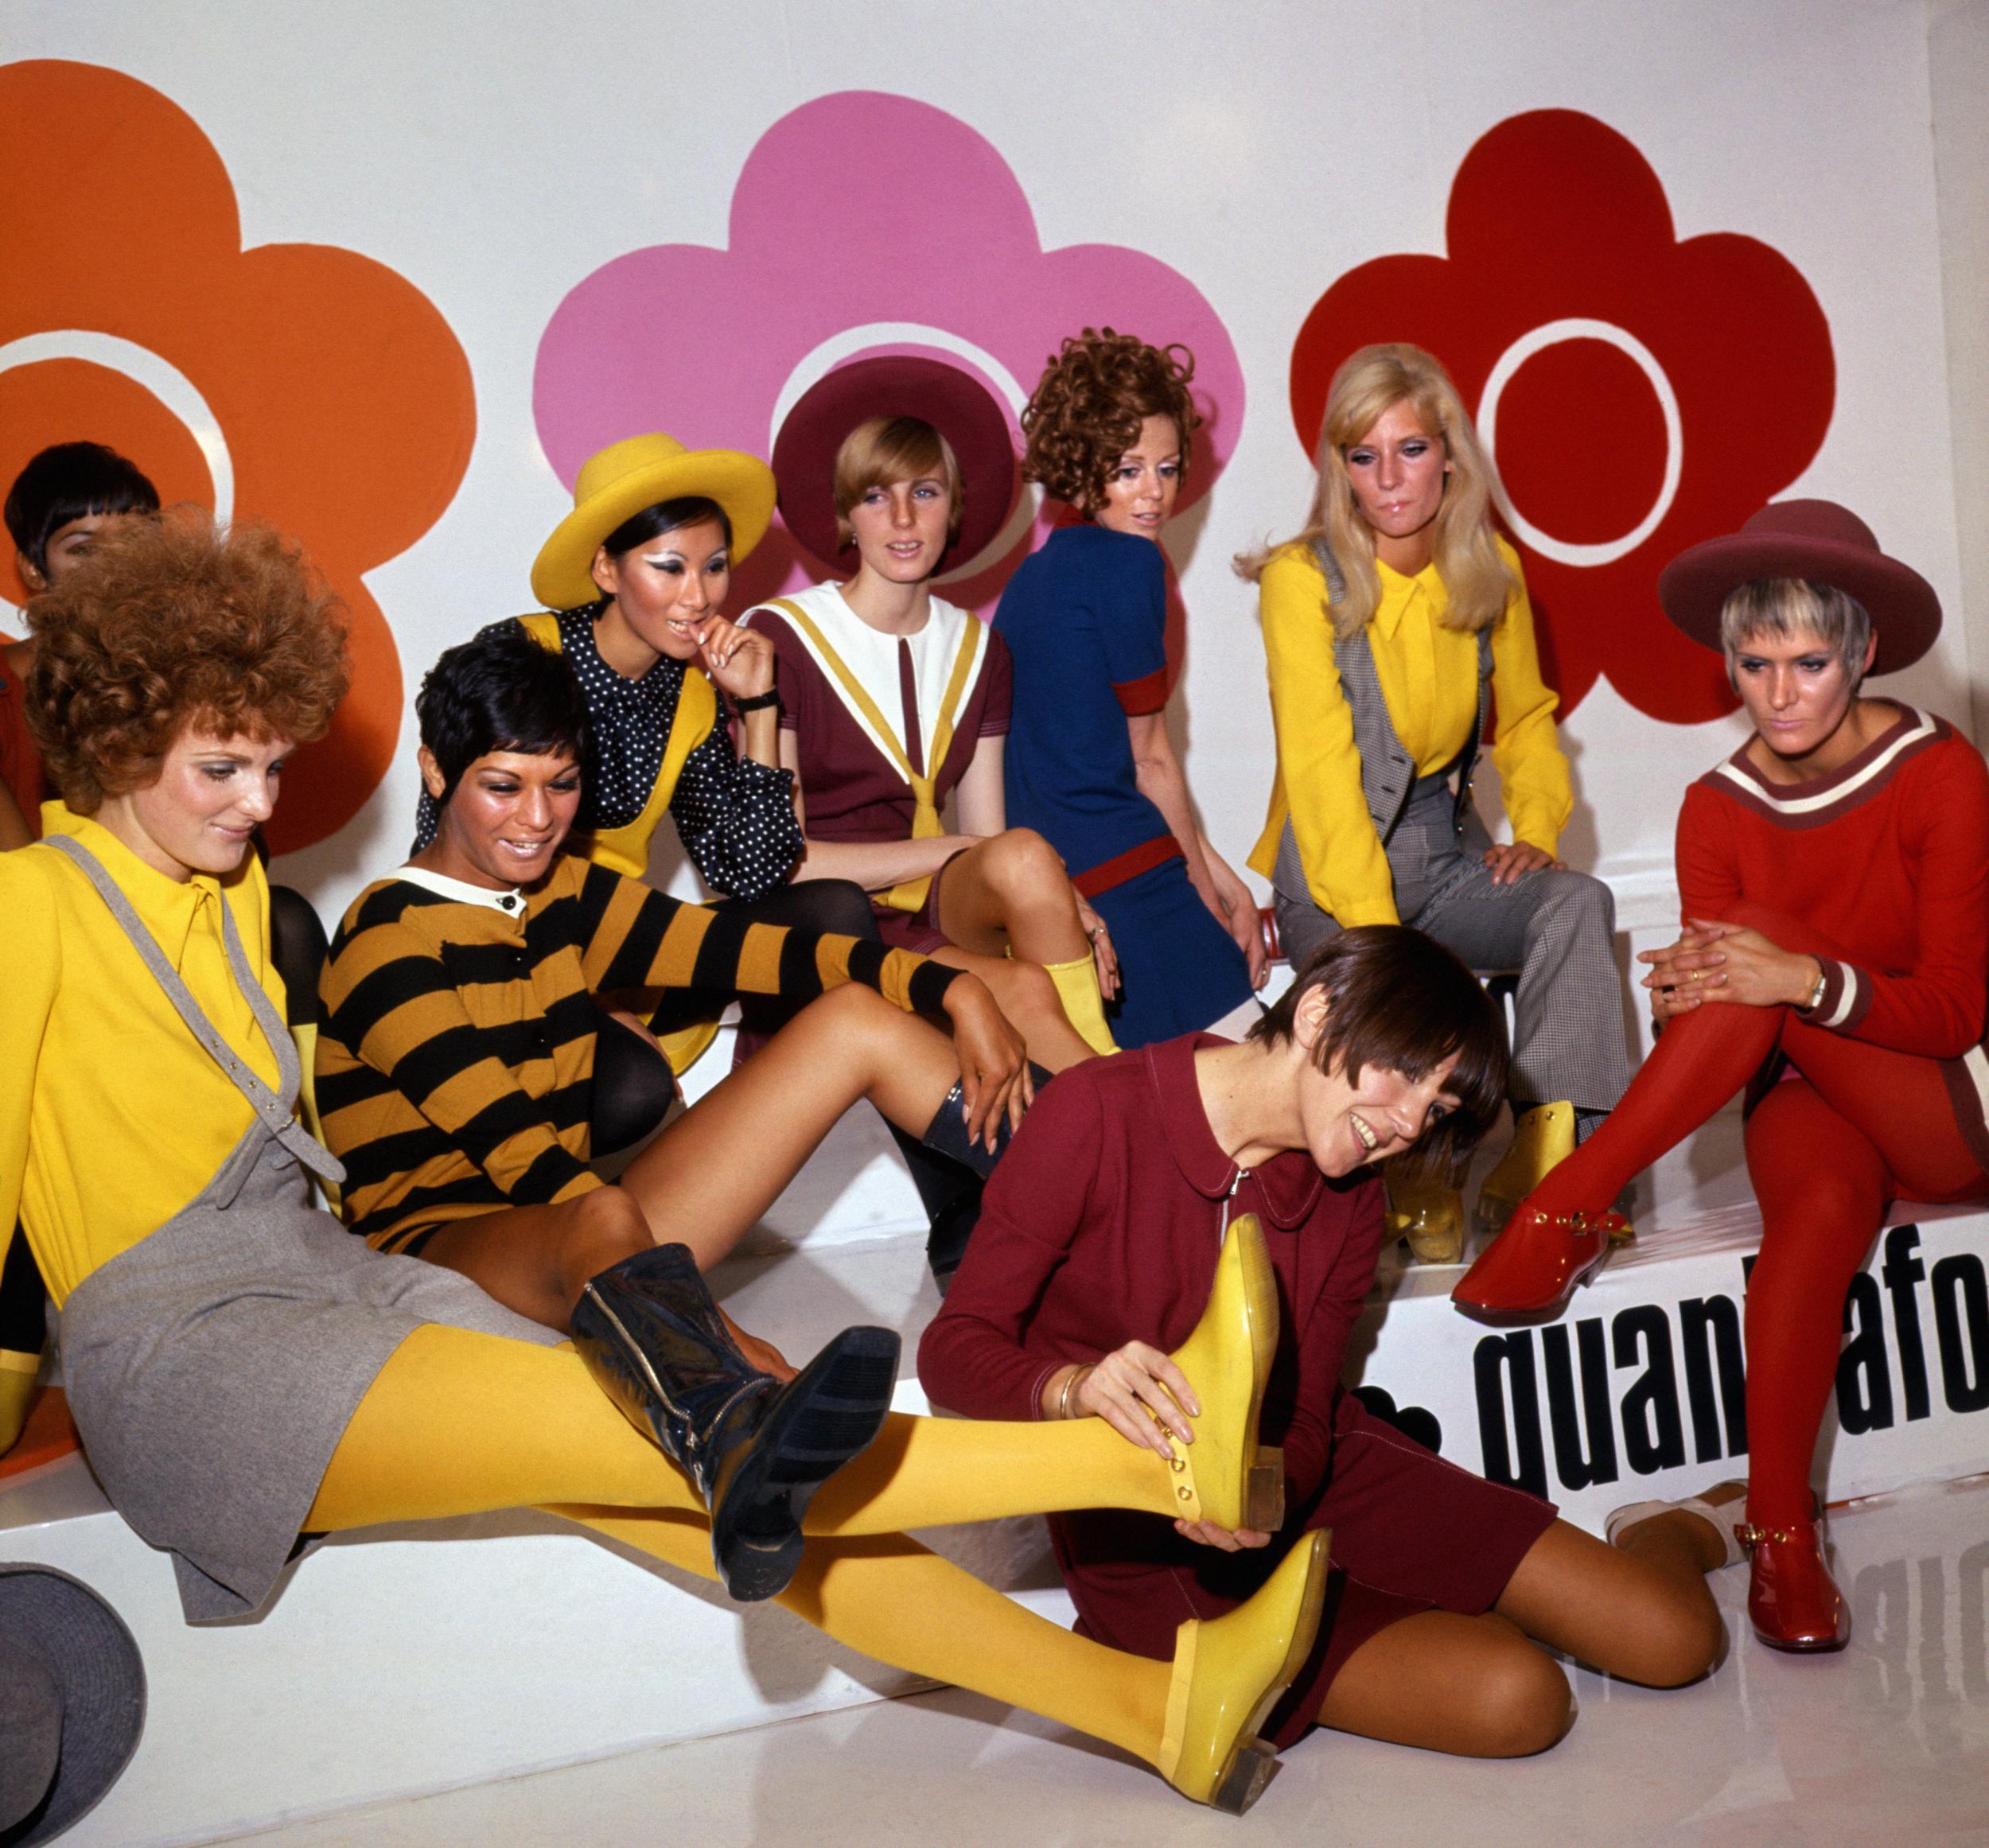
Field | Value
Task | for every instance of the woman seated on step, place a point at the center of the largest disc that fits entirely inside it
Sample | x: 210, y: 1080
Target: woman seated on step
x: 634, y: 582
x: 455, y: 1059
x: 894, y: 701
x: 1833, y: 969
x: 243, y: 1372
x: 1136, y: 1181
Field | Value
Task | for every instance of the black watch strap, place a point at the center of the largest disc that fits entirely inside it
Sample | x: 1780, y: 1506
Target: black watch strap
x: 759, y: 702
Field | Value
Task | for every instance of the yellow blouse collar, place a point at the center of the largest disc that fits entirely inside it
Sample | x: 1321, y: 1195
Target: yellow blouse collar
x: 168, y: 907
x: 1400, y: 594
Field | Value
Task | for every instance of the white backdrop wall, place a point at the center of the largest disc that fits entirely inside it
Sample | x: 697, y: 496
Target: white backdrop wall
x: 496, y: 157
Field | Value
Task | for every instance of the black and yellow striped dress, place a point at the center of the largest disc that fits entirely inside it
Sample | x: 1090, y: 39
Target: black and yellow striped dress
x: 455, y: 1066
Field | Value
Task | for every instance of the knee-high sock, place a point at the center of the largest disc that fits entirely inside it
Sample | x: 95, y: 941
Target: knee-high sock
x: 462, y: 1423
x: 888, y: 1597
x: 1818, y: 1217
x: 1084, y: 1001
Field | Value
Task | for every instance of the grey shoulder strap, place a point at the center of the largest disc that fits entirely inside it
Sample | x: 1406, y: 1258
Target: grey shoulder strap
x: 1336, y: 578
x: 277, y: 1109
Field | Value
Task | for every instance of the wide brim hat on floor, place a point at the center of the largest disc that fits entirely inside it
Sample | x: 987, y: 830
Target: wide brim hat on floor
x: 618, y: 482
x: 71, y: 1700
x: 960, y: 408
x: 1822, y: 543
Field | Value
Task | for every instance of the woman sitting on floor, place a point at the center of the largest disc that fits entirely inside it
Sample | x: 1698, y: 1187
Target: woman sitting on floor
x: 244, y: 1371
x: 1098, y: 1234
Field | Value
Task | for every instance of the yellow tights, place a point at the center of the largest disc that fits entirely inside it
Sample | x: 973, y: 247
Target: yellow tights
x: 462, y: 1423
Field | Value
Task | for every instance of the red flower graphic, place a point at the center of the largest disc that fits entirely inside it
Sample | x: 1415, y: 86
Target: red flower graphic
x: 1640, y: 393
x: 300, y: 384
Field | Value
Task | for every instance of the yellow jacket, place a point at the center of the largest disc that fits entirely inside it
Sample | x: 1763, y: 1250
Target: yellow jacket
x: 112, y: 1116
x: 1429, y: 680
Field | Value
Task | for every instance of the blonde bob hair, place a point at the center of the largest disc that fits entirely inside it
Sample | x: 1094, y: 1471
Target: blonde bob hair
x: 1476, y: 579
x: 882, y: 451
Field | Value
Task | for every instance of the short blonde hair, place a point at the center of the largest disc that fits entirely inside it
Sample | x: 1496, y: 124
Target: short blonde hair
x: 882, y: 451
x: 1476, y: 581
x: 1779, y: 607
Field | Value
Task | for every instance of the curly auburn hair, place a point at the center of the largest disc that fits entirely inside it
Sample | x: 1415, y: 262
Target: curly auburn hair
x: 176, y: 622
x: 1088, y: 407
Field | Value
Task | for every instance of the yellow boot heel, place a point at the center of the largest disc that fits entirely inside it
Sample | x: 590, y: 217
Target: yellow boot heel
x: 1225, y: 1476
x: 1428, y: 1215
x: 1229, y: 1672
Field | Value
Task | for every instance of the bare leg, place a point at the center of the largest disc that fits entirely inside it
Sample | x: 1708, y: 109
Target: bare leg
x: 1478, y: 1687
x: 1471, y: 1686
x: 1029, y: 998
x: 710, y: 1175
x: 1641, y: 1613
x: 1011, y: 892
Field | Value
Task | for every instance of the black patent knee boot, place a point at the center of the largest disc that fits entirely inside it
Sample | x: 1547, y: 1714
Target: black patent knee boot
x: 954, y: 1215
x: 755, y: 1450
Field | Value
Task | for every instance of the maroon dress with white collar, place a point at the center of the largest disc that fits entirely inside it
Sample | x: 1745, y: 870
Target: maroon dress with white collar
x: 1101, y: 1226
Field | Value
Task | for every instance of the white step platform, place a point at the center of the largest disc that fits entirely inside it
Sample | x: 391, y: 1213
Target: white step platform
x: 419, y: 1660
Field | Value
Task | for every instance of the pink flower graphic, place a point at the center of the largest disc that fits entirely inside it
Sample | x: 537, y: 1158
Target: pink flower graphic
x: 715, y: 345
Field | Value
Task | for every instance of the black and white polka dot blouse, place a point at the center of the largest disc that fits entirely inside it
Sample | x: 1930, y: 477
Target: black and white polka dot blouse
x: 734, y: 815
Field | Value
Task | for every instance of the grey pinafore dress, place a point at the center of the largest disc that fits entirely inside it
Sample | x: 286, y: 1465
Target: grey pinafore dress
x: 213, y: 1367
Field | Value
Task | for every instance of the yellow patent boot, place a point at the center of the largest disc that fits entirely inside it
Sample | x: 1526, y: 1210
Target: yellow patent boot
x: 1229, y: 1671
x: 1542, y: 1140
x: 1224, y: 1476
x: 1428, y: 1215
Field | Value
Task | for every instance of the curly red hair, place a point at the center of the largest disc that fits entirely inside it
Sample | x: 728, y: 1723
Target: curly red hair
x: 175, y: 622
x: 1088, y: 407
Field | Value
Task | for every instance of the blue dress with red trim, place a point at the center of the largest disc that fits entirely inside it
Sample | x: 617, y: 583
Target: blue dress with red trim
x: 1085, y: 622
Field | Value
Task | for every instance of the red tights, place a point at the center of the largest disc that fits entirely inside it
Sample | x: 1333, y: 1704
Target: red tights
x: 1827, y: 1153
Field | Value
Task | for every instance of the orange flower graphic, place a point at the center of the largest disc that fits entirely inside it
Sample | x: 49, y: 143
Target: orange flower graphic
x: 302, y: 385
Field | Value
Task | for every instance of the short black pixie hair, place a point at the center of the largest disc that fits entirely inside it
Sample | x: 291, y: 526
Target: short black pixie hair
x: 1400, y: 1000
x: 500, y: 691
x: 68, y: 481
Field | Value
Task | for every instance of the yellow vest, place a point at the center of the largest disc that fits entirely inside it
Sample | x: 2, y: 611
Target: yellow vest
x: 625, y: 850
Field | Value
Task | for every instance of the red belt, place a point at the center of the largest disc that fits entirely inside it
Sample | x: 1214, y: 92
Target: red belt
x: 1129, y: 865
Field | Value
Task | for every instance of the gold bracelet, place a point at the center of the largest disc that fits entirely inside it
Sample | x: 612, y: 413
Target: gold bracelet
x: 1063, y: 1398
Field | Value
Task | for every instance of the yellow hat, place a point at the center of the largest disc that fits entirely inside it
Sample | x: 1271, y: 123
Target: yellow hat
x: 619, y: 481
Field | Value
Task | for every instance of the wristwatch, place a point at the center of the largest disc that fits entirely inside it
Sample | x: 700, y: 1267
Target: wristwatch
x: 1816, y: 993
x: 759, y: 702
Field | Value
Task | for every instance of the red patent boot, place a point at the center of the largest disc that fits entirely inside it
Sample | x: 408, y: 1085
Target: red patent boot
x: 1532, y: 1267
x: 1792, y: 1601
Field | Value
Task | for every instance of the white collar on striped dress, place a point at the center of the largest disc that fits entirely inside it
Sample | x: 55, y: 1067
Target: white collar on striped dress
x: 511, y: 903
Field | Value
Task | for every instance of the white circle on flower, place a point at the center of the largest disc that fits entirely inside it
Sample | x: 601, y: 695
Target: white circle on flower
x: 881, y: 334
x: 164, y: 380
x: 1553, y: 333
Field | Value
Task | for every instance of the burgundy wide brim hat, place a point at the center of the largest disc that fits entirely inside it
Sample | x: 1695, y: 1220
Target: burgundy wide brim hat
x: 1819, y: 541
x: 959, y: 407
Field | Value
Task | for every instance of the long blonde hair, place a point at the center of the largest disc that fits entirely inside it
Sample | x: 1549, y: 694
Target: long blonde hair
x: 1476, y: 580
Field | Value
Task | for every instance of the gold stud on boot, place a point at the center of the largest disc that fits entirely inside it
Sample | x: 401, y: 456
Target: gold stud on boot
x: 1225, y: 1476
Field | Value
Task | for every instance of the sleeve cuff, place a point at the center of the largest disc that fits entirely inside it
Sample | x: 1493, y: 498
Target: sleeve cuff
x: 1846, y: 998
x: 1147, y: 693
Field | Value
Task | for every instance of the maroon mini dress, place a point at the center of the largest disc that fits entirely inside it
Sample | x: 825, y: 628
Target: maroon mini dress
x: 1101, y: 1226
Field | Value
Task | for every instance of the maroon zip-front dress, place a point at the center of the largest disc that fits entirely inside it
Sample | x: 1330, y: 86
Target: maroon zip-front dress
x: 1101, y: 1226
